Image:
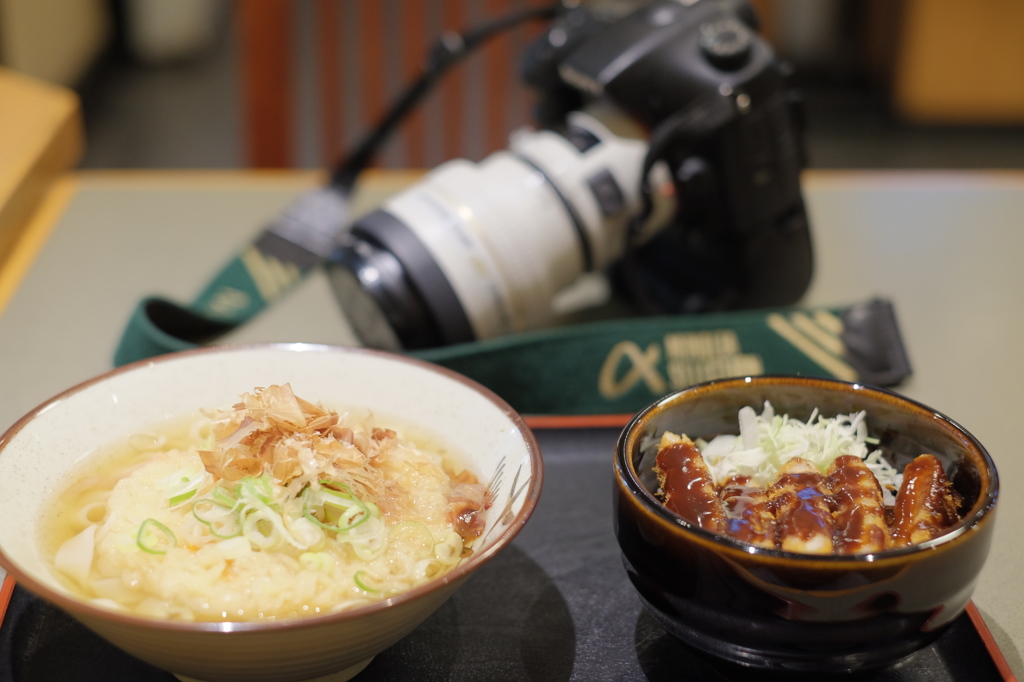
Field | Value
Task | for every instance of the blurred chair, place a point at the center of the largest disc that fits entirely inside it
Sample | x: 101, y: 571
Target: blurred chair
x: 317, y: 74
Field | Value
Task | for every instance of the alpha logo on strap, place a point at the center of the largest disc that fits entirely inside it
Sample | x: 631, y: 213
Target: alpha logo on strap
x: 644, y: 367
x: 689, y: 358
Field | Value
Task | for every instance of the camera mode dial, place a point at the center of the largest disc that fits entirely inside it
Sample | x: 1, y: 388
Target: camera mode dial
x: 726, y: 43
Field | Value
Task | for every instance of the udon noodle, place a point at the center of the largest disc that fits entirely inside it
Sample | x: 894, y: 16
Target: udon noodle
x: 274, y: 508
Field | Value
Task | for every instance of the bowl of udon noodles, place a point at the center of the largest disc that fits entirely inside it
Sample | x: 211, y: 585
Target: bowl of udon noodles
x: 267, y: 512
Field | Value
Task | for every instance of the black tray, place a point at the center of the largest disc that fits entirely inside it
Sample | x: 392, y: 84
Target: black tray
x: 555, y: 605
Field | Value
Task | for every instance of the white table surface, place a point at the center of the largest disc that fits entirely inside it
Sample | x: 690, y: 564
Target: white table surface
x: 946, y: 248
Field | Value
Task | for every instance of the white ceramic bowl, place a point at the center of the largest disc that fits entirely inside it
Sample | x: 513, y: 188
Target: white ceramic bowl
x: 41, y: 447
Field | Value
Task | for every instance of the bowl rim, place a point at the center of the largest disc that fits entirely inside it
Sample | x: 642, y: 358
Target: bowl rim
x: 78, y: 606
x: 627, y: 477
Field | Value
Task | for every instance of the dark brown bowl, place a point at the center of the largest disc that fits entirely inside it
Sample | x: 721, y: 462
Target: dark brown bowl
x: 773, y: 609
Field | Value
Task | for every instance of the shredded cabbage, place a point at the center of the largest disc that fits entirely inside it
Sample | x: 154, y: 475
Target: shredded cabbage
x: 767, y: 441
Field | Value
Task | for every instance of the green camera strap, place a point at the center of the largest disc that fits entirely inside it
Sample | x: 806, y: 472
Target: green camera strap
x: 607, y: 367
x: 623, y: 365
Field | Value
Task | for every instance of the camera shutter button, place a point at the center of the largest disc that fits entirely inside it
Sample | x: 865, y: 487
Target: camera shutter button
x: 726, y: 43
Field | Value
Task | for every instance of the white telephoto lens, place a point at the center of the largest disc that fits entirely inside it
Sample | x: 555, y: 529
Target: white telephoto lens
x: 598, y: 174
x: 513, y: 231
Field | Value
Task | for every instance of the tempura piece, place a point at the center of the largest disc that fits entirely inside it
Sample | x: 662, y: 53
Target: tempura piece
x: 686, y: 484
x: 803, y: 520
x: 926, y: 504
x: 750, y: 516
x: 858, y: 509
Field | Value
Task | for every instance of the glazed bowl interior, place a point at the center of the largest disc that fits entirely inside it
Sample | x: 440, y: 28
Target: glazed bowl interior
x: 39, y: 451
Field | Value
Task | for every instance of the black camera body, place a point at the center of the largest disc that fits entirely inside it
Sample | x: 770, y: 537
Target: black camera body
x: 740, y: 237
x: 475, y: 251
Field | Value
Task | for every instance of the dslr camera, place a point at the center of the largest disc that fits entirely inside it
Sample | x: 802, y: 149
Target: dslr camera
x: 667, y: 158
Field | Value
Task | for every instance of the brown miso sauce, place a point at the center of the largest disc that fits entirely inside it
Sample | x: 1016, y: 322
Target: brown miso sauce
x: 805, y: 511
x: 688, y: 487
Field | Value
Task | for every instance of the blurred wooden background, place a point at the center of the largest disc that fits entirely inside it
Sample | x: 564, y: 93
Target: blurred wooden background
x: 362, y: 56
x: 305, y: 78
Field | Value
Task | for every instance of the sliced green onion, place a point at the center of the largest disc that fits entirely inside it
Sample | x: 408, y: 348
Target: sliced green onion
x: 263, y: 490
x: 308, y: 509
x: 259, y: 521
x: 353, y: 514
x: 426, y: 538
x: 315, y: 561
x: 346, y: 493
x: 308, y: 514
x: 223, y: 536
x: 301, y: 533
x: 352, y: 517
x: 252, y: 529
x: 182, y: 485
x: 222, y: 497
x: 201, y: 510
x: 148, y: 543
x: 336, y: 486
x: 369, y: 540
x: 178, y: 499
x: 360, y: 584
x: 450, y: 549
x: 259, y: 488
x: 336, y: 499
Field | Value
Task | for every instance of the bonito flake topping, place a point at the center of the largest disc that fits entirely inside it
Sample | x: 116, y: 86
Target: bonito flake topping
x: 272, y: 431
